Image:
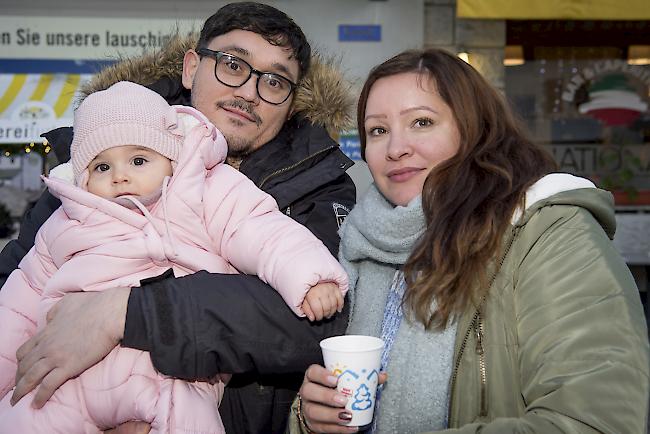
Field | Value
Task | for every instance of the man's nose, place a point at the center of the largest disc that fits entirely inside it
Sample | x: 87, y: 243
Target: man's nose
x: 248, y: 90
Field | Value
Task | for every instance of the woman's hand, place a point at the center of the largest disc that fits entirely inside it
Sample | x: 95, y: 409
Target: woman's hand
x: 323, y: 407
x: 81, y: 330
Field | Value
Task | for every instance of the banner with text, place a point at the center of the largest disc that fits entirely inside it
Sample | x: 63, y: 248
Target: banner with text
x: 85, y: 38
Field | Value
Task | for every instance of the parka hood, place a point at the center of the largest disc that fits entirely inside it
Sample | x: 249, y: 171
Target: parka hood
x: 558, y: 189
x: 324, y: 97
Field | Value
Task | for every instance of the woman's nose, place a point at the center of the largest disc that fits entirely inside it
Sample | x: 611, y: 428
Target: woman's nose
x: 398, y: 147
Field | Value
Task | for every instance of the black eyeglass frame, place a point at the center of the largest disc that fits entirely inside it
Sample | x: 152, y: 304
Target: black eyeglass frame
x: 216, y: 55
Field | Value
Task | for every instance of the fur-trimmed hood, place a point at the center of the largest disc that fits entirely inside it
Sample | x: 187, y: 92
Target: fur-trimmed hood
x: 323, y: 95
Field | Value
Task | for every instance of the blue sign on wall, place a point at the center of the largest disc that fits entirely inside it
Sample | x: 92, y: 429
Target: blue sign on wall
x: 52, y: 66
x: 349, y: 144
x: 359, y: 33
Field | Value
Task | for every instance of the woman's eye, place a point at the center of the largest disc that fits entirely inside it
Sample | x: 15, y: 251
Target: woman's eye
x: 139, y: 161
x: 423, y: 122
x: 376, y: 131
x: 102, y: 167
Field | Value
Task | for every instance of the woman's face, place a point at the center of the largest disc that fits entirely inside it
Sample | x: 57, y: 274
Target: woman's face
x: 409, y: 130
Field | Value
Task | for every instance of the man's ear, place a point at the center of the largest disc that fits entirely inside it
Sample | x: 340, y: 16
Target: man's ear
x: 190, y: 65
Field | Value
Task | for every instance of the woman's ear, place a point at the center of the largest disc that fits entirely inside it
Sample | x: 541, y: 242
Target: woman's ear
x: 190, y: 65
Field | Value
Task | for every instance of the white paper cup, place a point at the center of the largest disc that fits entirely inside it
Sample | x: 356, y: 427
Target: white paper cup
x: 355, y: 360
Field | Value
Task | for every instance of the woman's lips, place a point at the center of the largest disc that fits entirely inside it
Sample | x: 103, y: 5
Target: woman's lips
x: 403, y: 174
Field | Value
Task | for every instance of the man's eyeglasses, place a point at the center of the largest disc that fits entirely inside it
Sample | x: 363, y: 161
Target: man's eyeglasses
x: 235, y: 72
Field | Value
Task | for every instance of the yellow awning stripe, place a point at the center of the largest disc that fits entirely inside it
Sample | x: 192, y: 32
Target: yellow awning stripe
x: 67, y: 93
x: 42, y: 87
x: 555, y: 9
x: 12, y: 91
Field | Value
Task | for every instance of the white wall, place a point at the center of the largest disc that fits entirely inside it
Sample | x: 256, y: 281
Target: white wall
x: 401, y: 21
x: 29, y: 176
x: 401, y: 24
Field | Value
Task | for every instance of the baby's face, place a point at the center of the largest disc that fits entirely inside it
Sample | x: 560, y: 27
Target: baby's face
x: 127, y: 170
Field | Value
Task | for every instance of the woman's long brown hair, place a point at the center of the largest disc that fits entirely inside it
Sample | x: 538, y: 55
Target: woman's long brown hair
x: 468, y: 200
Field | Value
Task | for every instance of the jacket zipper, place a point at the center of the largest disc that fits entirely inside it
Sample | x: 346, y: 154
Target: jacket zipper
x: 294, y: 165
x: 477, y: 327
x: 480, y: 350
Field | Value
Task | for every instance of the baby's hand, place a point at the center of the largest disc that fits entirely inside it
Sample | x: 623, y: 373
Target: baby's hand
x: 322, y: 301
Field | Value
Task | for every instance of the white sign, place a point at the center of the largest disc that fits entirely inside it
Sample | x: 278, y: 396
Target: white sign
x: 60, y: 37
x: 85, y: 38
x: 633, y: 237
x: 29, y: 121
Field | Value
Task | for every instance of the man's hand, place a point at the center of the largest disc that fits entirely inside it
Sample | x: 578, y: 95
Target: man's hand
x: 81, y: 330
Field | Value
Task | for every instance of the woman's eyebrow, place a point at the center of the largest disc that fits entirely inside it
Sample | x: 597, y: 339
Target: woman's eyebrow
x: 378, y: 116
x: 420, y: 107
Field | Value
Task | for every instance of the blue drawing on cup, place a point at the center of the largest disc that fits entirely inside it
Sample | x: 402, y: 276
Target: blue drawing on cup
x: 363, y: 397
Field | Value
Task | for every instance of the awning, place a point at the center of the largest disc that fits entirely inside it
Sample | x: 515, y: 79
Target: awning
x: 555, y: 9
x: 55, y: 90
x: 37, y: 96
x: 31, y: 104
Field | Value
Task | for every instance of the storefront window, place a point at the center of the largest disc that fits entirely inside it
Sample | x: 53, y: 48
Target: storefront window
x: 583, y: 89
x: 589, y: 103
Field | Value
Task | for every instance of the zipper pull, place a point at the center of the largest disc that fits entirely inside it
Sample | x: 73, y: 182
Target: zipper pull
x: 479, y: 340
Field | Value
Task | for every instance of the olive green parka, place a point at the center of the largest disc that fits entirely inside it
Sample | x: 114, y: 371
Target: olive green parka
x: 559, y: 343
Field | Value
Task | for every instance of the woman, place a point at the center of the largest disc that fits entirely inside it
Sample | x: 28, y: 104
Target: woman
x: 503, y: 304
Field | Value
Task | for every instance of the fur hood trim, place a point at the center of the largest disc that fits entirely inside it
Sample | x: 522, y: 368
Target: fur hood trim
x: 323, y: 96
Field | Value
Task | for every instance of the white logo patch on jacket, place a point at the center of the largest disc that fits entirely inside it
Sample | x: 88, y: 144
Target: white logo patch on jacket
x: 341, y: 212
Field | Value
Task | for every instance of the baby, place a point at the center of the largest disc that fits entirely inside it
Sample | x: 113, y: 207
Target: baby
x: 147, y: 190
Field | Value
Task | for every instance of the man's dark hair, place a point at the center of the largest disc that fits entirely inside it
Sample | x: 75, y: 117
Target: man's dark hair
x: 270, y: 23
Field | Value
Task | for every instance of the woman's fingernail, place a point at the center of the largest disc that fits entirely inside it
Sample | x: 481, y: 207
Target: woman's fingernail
x: 341, y: 399
x: 345, y: 415
x: 332, y: 380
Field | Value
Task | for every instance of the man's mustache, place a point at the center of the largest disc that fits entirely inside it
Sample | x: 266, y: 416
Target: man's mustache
x: 243, y: 106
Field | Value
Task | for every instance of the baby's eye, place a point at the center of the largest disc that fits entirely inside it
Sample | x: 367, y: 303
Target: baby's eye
x: 139, y: 161
x: 102, y: 167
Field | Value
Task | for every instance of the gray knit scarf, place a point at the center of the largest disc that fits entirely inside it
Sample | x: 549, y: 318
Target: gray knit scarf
x: 377, y: 239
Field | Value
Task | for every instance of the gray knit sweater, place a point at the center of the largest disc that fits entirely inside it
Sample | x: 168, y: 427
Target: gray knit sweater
x: 377, y: 239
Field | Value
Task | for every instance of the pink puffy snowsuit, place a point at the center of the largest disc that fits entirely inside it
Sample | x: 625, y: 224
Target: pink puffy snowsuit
x: 209, y: 216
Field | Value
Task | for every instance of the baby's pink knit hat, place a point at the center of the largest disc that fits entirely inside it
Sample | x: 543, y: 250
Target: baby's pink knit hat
x: 124, y: 114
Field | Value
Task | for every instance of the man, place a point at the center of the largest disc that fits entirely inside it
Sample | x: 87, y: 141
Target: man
x: 242, y: 75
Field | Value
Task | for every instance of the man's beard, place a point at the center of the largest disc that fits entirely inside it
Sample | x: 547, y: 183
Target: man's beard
x: 238, y: 147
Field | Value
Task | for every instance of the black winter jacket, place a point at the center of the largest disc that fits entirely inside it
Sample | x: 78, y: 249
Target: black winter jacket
x: 202, y: 324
